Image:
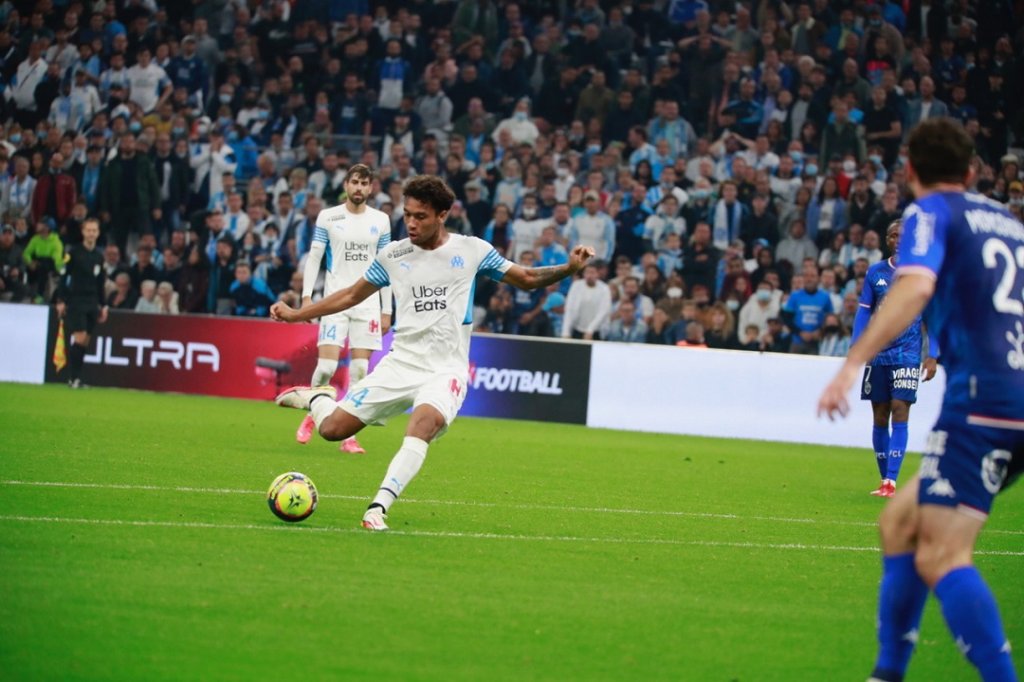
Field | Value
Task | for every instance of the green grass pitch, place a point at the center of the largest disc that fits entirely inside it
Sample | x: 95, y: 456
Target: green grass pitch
x: 136, y: 544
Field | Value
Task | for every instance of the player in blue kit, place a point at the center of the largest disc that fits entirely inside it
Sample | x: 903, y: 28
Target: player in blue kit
x: 891, y: 378
x: 961, y: 259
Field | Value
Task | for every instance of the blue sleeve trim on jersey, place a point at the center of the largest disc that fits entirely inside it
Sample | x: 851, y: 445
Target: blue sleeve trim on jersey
x: 493, y: 261
x: 493, y: 273
x: 468, y: 317
x: 384, y: 240
x: 377, y: 275
x: 320, y: 235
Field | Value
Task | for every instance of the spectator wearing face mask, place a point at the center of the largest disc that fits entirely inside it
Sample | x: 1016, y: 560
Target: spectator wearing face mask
x: 835, y: 339
x: 761, y: 307
x: 526, y: 229
x: 519, y: 125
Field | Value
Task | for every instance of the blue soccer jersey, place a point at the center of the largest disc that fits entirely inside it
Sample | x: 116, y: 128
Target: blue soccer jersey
x: 905, y: 349
x: 809, y: 310
x: 974, y: 249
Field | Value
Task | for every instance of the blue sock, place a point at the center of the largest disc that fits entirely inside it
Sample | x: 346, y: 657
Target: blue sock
x: 972, y: 616
x: 897, y: 448
x: 880, y: 439
x: 901, y: 599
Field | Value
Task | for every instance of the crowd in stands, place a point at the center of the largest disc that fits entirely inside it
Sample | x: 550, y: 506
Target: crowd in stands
x: 735, y: 165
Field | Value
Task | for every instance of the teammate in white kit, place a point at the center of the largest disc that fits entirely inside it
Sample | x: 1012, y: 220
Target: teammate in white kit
x: 432, y: 275
x: 349, y: 236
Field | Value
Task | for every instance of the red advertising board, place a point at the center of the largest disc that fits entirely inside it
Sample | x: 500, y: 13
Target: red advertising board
x: 197, y: 354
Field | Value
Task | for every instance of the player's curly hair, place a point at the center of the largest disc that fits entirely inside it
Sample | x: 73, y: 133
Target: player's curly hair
x: 940, y: 150
x: 430, y: 190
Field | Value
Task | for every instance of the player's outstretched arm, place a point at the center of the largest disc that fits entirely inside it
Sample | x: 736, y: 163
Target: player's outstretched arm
x: 903, y: 304
x: 335, y: 303
x: 537, y: 278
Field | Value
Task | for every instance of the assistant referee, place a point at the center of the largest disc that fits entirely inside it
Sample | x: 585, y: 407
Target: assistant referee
x: 80, y: 295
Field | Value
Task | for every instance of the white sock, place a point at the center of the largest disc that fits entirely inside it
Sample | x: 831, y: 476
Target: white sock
x: 325, y: 368
x: 403, y: 468
x: 321, y: 409
x: 358, y: 368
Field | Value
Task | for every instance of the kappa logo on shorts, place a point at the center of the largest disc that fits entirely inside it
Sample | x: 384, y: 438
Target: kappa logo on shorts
x: 374, y: 326
x: 455, y: 387
x: 458, y: 262
x: 941, y: 488
x: 994, y: 470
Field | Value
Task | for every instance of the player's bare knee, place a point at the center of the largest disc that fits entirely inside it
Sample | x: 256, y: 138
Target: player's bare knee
x: 426, y: 424
x: 898, y: 528
x: 881, y: 413
x: 334, y: 428
x: 900, y: 411
x: 932, y: 561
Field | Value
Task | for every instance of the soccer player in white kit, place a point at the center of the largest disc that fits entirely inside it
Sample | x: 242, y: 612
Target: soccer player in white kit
x: 431, y: 274
x: 349, y: 236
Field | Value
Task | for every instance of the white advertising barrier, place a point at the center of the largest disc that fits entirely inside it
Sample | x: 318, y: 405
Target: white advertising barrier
x: 733, y: 394
x: 23, y: 350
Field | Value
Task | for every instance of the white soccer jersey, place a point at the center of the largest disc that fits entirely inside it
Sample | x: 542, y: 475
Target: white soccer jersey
x: 146, y: 85
x: 434, y: 294
x: 525, y: 234
x: 350, y: 241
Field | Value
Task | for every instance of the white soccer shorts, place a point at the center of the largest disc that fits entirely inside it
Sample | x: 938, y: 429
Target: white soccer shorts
x: 393, y: 387
x: 361, y: 333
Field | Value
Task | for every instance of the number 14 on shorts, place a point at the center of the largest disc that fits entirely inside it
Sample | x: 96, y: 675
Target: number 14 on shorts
x: 357, y: 397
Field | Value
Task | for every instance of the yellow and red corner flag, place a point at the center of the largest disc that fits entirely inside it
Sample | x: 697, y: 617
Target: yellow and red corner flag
x: 60, y: 356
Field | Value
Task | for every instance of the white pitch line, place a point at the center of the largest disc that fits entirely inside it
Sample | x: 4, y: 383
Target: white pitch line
x: 458, y: 535
x: 470, y: 503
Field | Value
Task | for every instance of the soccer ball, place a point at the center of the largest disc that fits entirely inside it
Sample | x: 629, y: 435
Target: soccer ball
x: 292, y: 497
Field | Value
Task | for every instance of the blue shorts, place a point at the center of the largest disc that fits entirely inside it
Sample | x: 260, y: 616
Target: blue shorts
x: 969, y: 459
x: 883, y: 383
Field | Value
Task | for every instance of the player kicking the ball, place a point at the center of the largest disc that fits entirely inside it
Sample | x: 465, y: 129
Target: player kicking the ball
x: 349, y: 236
x: 960, y: 262
x: 891, y: 378
x: 432, y: 275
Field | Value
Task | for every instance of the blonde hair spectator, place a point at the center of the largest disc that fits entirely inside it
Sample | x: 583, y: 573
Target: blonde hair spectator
x: 147, y: 301
x: 167, y: 298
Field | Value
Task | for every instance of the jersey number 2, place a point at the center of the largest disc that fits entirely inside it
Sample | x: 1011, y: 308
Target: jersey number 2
x: 1002, y: 299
